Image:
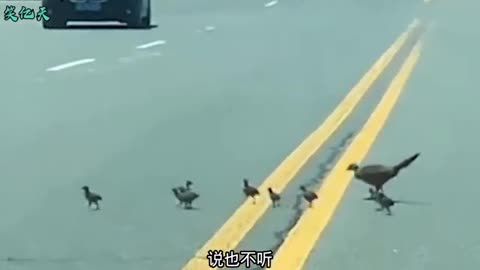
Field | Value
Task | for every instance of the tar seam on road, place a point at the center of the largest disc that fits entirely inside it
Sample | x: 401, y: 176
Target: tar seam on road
x: 247, y: 215
x: 72, y: 64
x: 300, y: 241
x: 324, y: 168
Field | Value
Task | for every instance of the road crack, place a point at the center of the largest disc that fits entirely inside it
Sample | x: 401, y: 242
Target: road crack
x: 323, y: 169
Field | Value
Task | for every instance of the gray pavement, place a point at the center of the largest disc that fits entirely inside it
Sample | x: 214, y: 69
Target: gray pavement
x: 435, y: 115
x: 269, y: 234
x: 212, y: 107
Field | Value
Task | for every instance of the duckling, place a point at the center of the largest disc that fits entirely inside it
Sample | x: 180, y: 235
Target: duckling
x: 308, y: 195
x: 186, y: 198
x: 383, y: 200
x: 187, y: 186
x: 92, y: 198
x: 373, y: 195
x: 250, y: 191
x: 385, y: 203
x: 274, y: 197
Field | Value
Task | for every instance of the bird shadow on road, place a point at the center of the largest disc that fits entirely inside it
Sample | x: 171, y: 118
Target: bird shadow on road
x: 413, y: 202
x: 408, y: 202
x: 190, y: 208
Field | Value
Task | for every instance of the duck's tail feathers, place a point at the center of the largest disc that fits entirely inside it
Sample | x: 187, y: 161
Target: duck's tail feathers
x: 405, y: 163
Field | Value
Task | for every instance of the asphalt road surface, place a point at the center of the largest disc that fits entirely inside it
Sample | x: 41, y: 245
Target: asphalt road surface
x: 219, y: 91
x: 436, y: 116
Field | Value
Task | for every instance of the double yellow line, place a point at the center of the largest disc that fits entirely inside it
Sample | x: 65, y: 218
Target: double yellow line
x: 300, y: 241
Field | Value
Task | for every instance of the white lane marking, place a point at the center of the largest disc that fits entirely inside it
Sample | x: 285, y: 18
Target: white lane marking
x: 271, y: 3
x: 209, y: 28
x: 414, y: 23
x: 72, y: 64
x: 151, y: 44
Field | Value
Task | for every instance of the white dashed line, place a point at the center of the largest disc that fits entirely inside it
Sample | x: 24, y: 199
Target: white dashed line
x: 72, y: 64
x: 209, y: 28
x: 271, y: 3
x: 151, y: 44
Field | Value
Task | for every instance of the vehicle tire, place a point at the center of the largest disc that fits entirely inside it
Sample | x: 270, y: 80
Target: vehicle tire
x: 145, y: 21
x: 55, y: 23
x: 57, y: 17
x: 138, y: 20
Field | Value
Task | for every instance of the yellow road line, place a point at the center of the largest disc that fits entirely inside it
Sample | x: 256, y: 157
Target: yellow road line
x: 294, y: 252
x: 247, y: 215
